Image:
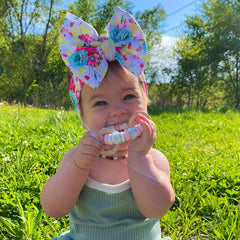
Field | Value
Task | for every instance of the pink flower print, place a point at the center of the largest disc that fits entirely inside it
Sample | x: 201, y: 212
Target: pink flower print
x: 79, y: 49
x: 132, y: 21
x: 91, y: 50
x: 72, y: 85
x: 141, y: 65
x: 64, y: 32
x: 93, y: 60
x: 64, y: 55
x: 86, y: 77
x: 119, y: 50
x: 86, y: 38
x: 139, y: 48
x: 136, y: 56
x: 89, y: 38
x: 80, y: 82
x: 124, y: 57
x: 77, y: 94
x: 81, y: 37
x: 78, y: 104
x: 130, y: 45
x: 70, y: 33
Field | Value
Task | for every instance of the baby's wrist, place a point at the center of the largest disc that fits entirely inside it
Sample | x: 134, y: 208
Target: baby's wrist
x: 81, y: 166
x: 137, y: 155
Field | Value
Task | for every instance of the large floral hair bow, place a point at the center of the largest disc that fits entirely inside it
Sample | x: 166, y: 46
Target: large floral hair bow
x: 86, y: 55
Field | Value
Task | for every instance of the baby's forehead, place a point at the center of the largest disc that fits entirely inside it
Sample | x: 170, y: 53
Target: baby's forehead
x: 111, y: 85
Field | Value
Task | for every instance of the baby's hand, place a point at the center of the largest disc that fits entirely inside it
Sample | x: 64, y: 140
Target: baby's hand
x: 143, y: 143
x: 88, y: 149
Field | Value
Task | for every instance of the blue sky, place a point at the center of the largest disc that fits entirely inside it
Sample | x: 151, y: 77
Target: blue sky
x: 176, y: 9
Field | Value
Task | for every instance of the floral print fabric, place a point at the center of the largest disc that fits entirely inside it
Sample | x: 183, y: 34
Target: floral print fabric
x: 86, y: 54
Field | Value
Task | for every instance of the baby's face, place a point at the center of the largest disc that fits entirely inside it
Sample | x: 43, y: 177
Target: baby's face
x: 112, y: 104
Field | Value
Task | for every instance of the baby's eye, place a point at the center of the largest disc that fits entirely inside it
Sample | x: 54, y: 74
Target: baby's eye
x: 100, y: 103
x: 129, y: 96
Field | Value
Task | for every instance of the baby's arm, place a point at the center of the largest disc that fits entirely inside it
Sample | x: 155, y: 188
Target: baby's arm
x: 62, y: 190
x: 149, y: 174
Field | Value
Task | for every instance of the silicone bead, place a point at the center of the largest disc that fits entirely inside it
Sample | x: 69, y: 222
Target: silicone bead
x: 127, y: 136
x: 110, y: 139
x: 138, y: 128
x: 105, y: 138
x: 121, y: 137
x: 132, y: 132
x: 116, y: 138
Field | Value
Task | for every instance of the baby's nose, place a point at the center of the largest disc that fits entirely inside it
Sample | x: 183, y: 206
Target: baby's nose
x: 118, y: 111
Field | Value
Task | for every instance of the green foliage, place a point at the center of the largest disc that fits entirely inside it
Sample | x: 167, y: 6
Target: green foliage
x: 202, y: 148
x: 32, y: 143
x: 208, y: 55
x: 150, y: 20
x: 31, y: 69
x: 30, y: 60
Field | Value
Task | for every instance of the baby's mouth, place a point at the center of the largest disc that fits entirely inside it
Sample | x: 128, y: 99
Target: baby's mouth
x: 121, y: 127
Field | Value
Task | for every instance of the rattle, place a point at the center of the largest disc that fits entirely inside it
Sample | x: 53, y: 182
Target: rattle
x: 112, y: 137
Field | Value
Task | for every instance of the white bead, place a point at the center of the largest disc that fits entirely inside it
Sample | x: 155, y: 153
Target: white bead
x: 132, y: 132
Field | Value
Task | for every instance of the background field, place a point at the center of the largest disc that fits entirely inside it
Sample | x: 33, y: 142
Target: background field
x: 203, y: 149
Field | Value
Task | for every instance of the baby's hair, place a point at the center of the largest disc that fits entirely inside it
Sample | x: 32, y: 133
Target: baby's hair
x: 115, y: 66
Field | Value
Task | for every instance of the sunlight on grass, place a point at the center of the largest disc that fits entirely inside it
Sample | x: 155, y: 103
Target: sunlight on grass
x: 203, y: 150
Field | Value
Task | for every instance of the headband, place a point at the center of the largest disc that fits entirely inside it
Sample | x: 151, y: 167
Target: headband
x: 87, y: 55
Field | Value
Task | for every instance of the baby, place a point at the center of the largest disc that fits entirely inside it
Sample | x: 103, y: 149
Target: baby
x: 123, y: 195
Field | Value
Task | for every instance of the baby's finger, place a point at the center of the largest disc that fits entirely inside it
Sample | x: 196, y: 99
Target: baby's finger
x: 89, y: 150
x: 89, y: 140
x: 137, y: 115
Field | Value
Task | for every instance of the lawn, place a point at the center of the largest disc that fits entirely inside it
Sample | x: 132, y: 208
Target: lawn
x: 203, y: 149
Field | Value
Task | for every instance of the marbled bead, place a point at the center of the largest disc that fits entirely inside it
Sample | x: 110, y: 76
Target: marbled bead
x: 105, y: 138
x: 110, y: 139
x: 132, y: 132
x: 127, y: 136
x: 116, y: 138
x: 138, y: 127
x: 122, y: 137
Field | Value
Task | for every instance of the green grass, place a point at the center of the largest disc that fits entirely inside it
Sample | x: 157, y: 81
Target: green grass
x: 203, y: 150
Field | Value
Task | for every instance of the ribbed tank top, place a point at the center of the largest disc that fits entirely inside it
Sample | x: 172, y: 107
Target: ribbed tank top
x: 109, y: 212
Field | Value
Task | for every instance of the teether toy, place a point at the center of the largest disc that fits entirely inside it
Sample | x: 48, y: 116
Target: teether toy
x: 112, y: 137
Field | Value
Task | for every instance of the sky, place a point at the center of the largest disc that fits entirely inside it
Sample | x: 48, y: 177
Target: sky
x: 176, y: 11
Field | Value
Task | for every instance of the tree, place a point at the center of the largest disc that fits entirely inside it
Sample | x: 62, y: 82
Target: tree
x: 209, y: 51
x: 32, y: 70
x: 224, y: 44
x: 28, y: 37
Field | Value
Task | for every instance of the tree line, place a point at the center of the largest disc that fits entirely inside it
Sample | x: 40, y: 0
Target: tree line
x: 205, y: 72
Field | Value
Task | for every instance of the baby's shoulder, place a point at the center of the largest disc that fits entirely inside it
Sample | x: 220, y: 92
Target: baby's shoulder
x: 68, y: 156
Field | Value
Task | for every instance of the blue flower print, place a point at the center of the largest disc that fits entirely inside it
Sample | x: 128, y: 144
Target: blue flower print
x: 118, y: 35
x: 119, y: 58
x: 145, y: 47
x: 74, y: 99
x: 78, y: 59
x: 124, y: 35
x: 113, y: 32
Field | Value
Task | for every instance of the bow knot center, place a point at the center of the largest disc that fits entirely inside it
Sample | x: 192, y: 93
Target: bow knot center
x: 108, y: 48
